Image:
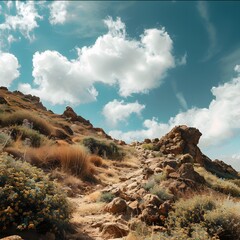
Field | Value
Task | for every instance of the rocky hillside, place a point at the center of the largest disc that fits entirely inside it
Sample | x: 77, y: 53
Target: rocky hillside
x: 89, y: 186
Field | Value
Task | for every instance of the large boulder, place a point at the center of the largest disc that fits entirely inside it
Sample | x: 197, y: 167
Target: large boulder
x: 187, y: 171
x: 181, y: 140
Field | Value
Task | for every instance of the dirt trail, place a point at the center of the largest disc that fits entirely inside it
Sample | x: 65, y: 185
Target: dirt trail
x: 89, y: 212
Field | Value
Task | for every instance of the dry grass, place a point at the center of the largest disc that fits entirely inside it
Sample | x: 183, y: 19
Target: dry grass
x: 73, y: 159
x: 219, y: 184
x: 96, y: 160
x: 16, y: 118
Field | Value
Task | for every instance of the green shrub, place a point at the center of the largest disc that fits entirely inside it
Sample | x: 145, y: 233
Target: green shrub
x: 150, y: 146
x: 106, y: 197
x: 5, y: 140
x: 29, y: 200
x: 35, y: 137
x: 105, y: 150
x: 149, y: 185
x: 218, y: 184
x: 161, y: 192
x: 213, y: 216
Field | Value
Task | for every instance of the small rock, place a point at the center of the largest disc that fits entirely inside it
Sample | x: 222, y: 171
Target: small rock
x: 13, y: 237
x: 117, y: 205
x: 114, y: 230
x: 150, y: 199
x: 165, y: 207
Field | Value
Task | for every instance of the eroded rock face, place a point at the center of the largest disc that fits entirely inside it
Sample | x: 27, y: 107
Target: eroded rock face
x: 187, y: 171
x: 69, y: 113
x: 181, y: 140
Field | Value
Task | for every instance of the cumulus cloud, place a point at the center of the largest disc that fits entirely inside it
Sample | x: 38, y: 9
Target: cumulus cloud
x: 25, y: 20
x: 218, y: 122
x: 119, y: 111
x: 151, y: 129
x: 59, y: 79
x: 8, y: 69
x: 58, y: 12
x: 135, y: 66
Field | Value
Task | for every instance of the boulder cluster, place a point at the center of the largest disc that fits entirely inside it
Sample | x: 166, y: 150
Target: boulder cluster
x: 166, y: 173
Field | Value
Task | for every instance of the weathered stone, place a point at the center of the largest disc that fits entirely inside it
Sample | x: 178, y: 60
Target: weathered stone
x: 186, y: 158
x: 165, y: 207
x: 150, y: 199
x: 147, y: 140
x: 168, y: 162
x: 116, y: 206
x: 187, y: 171
x: 13, y: 237
x: 114, y: 230
x: 150, y: 215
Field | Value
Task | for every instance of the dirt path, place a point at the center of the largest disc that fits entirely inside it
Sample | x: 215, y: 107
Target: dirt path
x: 89, y: 212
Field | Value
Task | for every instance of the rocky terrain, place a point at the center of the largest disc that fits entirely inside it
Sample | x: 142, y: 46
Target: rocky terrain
x: 162, y: 188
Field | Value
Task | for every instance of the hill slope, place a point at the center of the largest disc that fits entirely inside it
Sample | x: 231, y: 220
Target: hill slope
x: 158, y: 189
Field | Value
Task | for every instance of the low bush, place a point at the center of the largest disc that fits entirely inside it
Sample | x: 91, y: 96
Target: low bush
x: 29, y: 200
x: 150, y: 146
x: 105, y: 150
x: 215, y: 217
x: 218, y: 184
x: 5, y: 140
x: 106, y: 197
x: 17, y: 118
x: 161, y: 192
x: 22, y: 132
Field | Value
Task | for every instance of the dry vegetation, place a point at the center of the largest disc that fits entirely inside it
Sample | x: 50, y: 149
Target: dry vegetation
x: 73, y: 159
x: 16, y: 118
x: 218, y: 184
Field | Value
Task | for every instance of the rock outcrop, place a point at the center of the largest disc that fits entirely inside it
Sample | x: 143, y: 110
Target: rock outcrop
x: 72, y: 116
x: 183, y: 140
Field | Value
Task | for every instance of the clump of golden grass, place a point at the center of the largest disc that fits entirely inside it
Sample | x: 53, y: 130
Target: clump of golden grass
x: 218, y: 184
x: 73, y: 159
x: 16, y: 118
x: 96, y: 160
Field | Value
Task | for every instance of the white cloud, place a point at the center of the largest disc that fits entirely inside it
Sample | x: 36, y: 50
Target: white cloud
x: 237, y: 68
x: 182, y: 60
x: 11, y: 39
x: 218, y: 122
x: 58, y: 12
x: 152, y: 129
x: 134, y: 66
x: 24, y: 21
x: 204, y: 13
x: 8, y: 69
x: 59, y: 80
x: 118, y: 111
x: 9, y: 4
x: 182, y: 100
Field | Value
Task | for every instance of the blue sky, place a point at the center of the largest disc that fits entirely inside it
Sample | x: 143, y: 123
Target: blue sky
x: 136, y: 69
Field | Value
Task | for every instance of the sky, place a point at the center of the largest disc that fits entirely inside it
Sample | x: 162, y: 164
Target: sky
x: 134, y: 68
